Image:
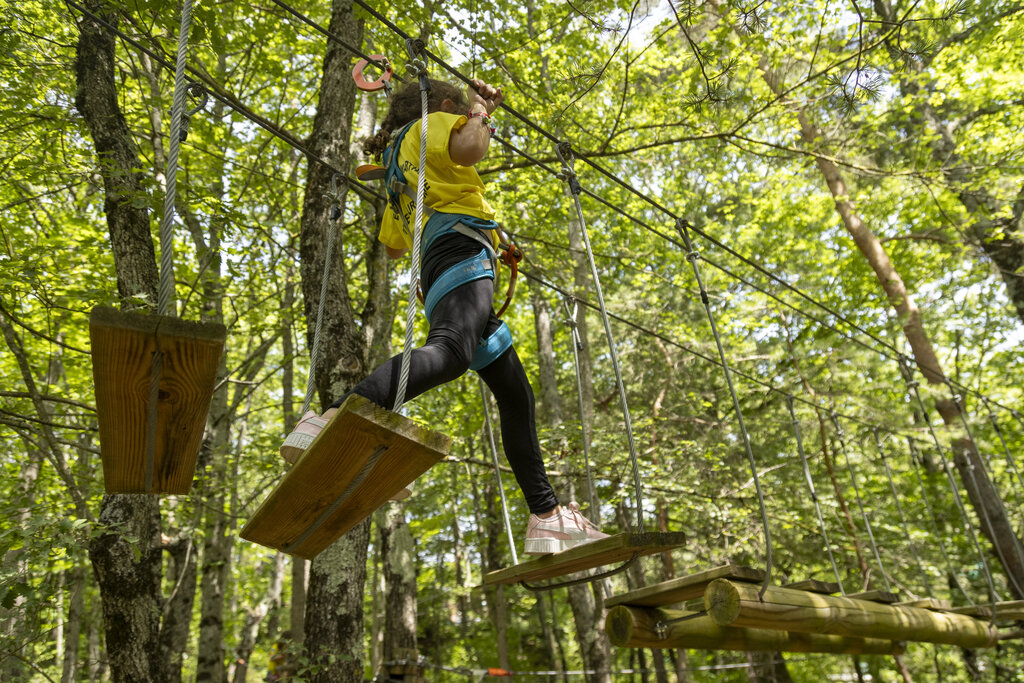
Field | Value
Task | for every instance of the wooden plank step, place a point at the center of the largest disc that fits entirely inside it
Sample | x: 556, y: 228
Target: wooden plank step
x: 152, y: 448
x: 927, y: 603
x: 1005, y: 611
x: 364, y: 455
x: 814, y: 586
x: 733, y: 603
x: 684, y: 588
x: 876, y: 596
x: 611, y: 550
x: 630, y: 626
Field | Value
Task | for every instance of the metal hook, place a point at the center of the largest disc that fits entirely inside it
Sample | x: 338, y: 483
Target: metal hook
x: 194, y: 90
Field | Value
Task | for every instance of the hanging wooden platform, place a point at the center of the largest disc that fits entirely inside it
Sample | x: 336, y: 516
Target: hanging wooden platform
x: 631, y: 626
x: 733, y: 603
x: 1004, y: 611
x: 684, y: 588
x: 607, y: 551
x: 876, y: 596
x: 814, y: 586
x: 150, y: 434
x: 363, y: 457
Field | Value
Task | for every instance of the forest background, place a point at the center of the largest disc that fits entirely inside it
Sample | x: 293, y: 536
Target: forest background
x: 850, y: 175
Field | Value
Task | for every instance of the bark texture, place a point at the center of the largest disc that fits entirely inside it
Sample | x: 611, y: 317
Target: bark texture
x: 128, y: 572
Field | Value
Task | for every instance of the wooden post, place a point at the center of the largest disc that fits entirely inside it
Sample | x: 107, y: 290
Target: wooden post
x: 629, y: 626
x: 731, y: 603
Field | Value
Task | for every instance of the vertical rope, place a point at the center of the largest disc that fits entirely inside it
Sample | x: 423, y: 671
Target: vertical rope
x: 814, y: 495
x: 860, y: 503
x: 328, y: 257
x: 969, y: 468
x: 917, y: 460
x: 1006, y: 450
x: 577, y: 346
x: 165, y: 295
x: 692, y: 255
x: 418, y: 68
x: 497, y: 471
x: 912, y: 387
x: 899, y: 509
x: 564, y: 152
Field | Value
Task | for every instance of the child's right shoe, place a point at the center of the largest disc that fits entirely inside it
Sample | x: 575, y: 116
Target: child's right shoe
x: 305, y: 431
x: 565, y: 529
x: 302, y: 436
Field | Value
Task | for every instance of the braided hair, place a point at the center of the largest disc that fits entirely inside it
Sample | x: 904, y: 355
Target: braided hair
x: 406, y: 107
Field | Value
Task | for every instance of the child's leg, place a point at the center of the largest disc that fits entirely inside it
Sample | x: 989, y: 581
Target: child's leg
x: 507, y: 381
x: 456, y: 324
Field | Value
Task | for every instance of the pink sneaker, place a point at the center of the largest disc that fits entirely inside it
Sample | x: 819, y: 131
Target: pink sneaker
x: 566, y: 529
x: 303, y: 434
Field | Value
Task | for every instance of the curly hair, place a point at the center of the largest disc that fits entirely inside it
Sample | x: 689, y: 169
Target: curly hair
x: 406, y: 107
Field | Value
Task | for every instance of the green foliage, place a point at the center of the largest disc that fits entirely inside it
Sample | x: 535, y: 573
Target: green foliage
x: 917, y: 116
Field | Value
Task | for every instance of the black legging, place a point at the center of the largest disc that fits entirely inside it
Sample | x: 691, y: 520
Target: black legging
x: 457, y: 323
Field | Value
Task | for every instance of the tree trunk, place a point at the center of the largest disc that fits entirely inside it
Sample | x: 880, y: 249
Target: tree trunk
x: 334, y: 613
x: 182, y: 569
x: 399, y: 555
x: 76, y: 616
x: 995, y: 523
x: 126, y: 553
x: 255, y: 616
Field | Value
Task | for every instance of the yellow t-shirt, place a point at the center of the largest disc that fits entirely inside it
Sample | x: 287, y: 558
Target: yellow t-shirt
x: 451, y: 188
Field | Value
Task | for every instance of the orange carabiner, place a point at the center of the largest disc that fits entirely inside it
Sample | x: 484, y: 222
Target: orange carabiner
x: 371, y: 86
x: 511, y: 255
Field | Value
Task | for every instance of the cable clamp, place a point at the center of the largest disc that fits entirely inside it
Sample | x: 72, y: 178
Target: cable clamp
x: 195, y: 91
x: 692, y: 256
x: 335, y: 195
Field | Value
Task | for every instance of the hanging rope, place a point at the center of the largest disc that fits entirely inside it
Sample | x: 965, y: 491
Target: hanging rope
x: 918, y: 463
x: 814, y: 495
x: 1006, y: 450
x: 335, y: 196
x: 986, y: 518
x: 577, y: 346
x: 899, y: 509
x: 497, y: 470
x: 692, y: 255
x: 564, y: 152
x: 165, y: 296
x: 860, y: 504
x: 912, y: 386
x: 417, y: 68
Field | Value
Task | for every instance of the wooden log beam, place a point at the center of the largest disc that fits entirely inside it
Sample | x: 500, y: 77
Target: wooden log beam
x: 732, y: 603
x: 684, y: 588
x: 629, y: 626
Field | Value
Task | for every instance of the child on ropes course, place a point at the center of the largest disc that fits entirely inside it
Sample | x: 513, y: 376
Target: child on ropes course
x: 457, y: 277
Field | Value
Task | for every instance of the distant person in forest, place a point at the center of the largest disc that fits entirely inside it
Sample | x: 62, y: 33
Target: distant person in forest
x: 279, y: 668
x: 459, y: 242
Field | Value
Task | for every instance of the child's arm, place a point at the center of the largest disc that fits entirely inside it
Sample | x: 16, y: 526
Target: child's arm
x: 469, y: 144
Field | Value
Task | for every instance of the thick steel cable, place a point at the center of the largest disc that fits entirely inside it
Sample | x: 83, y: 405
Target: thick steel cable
x: 814, y: 494
x: 860, y: 503
x: 497, y: 470
x: 969, y: 468
x: 912, y: 386
x: 564, y: 152
x: 917, y: 461
x: 692, y: 255
x: 419, y: 69
x: 577, y: 346
x: 165, y: 295
x: 314, y: 355
x: 899, y: 508
x: 1006, y: 449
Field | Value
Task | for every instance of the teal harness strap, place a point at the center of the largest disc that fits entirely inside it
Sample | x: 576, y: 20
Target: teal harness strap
x: 490, y: 348
x: 469, y: 270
